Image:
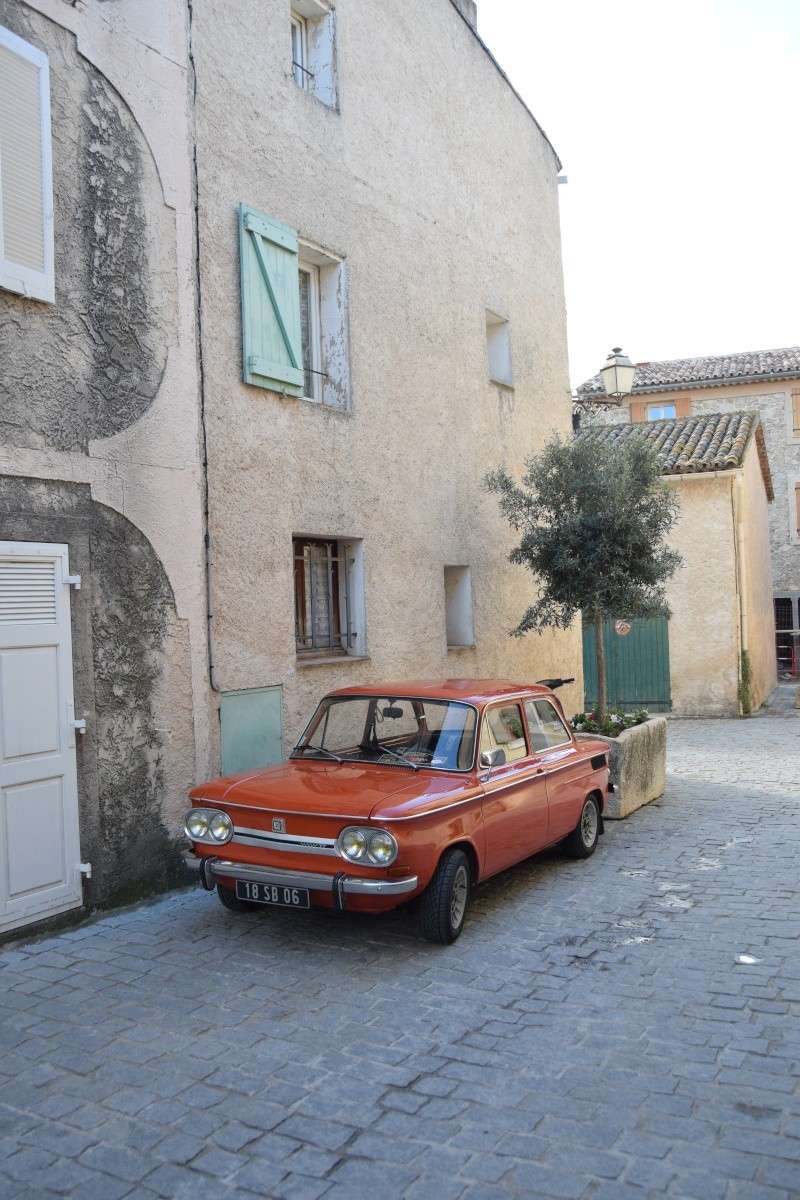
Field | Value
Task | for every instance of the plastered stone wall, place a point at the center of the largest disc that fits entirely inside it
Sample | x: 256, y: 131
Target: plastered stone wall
x: 440, y: 191
x: 783, y: 451
x: 704, y: 627
x: 99, y: 400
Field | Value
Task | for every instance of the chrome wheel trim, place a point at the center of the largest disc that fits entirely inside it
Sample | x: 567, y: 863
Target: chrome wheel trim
x: 589, y: 824
x: 458, y: 897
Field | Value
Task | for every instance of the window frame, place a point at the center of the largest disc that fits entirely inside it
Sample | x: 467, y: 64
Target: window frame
x: 497, y: 326
x: 300, y: 23
x: 337, y: 591
x: 15, y: 277
x: 672, y: 417
x: 411, y: 699
x: 515, y: 702
x: 314, y: 394
x: 546, y: 700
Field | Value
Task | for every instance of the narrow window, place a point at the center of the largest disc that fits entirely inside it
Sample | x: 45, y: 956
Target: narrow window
x: 796, y: 413
x: 310, y: 329
x: 324, y: 327
x: 498, y: 345
x: 661, y: 412
x: 458, y: 607
x: 313, y: 32
x: 328, y: 597
x: 26, y: 181
x: 797, y: 509
x: 300, y: 51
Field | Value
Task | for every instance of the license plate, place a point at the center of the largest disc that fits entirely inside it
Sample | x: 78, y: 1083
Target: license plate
x: 272, y: 893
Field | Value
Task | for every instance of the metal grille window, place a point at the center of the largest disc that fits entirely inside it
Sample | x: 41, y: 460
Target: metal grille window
x: 321, y: 597
x: 783, y: 612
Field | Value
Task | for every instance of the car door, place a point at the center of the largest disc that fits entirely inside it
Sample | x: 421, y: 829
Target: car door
x: 515, y: 808
x: 564, y: 770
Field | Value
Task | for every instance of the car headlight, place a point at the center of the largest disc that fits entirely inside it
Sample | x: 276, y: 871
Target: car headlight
x: 372, y: 847
x: 208, y: 825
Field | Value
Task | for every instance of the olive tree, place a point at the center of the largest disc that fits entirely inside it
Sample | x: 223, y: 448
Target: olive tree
x: 593, y: 519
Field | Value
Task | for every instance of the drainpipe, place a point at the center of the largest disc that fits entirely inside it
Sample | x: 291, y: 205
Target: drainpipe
x: 201, y: 365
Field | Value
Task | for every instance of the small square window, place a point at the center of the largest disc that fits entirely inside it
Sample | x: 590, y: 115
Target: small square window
x: 498, y: 344
x: 458, y: 607
x: 328, y: 597
x: 313, y: 48
x: 661, y: 412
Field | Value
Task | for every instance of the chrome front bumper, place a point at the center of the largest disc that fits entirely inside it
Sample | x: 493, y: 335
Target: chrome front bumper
x: 339, y: 885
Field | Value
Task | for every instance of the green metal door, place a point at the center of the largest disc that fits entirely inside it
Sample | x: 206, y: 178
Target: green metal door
x: 637, y: 664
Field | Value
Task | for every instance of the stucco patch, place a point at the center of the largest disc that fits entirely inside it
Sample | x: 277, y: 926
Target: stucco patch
x: 91, y: 364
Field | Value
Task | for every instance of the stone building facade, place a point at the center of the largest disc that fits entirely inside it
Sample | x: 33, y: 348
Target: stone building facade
x: 768, y: 383
x: 294, y: 288
x: 100, y: 460
x: 377, y: 155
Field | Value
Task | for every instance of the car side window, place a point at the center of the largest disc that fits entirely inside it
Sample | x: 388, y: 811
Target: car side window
x: 545, y: 725
x: 503, y: 730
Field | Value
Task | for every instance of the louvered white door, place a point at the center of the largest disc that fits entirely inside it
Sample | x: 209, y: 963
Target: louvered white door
x: 39, y: 842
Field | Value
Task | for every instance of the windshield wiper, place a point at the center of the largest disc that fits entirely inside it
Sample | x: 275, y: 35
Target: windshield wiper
x: 400, y: 757
x: 318, y: 749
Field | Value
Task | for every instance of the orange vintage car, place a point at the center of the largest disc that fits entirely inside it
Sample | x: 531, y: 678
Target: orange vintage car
x: 400, y: 792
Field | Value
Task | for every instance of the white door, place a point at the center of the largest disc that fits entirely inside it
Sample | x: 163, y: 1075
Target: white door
x: 39, y: 842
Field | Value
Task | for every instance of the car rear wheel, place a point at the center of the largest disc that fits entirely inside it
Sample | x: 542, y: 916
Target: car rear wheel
x: 228, y: 899
x: 444, y: 903
x: 582, y: 842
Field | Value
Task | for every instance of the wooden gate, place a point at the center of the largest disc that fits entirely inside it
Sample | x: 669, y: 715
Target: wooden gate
x: 637, y: 664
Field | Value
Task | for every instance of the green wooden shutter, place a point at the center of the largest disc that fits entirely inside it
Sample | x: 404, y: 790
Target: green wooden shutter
x: 272, y: 347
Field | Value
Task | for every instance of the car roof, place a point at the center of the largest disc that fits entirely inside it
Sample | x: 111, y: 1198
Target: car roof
x: 467, y: 691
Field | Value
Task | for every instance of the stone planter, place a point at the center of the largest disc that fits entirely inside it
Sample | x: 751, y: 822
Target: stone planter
x: 638, y: 760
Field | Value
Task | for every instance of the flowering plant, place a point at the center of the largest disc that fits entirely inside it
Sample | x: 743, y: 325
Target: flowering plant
x: 616, y: 720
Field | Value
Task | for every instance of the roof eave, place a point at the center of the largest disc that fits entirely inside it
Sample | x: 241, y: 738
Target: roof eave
x: 688, y: 386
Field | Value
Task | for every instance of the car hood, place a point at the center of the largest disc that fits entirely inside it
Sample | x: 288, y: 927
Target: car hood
x: 317, y: 788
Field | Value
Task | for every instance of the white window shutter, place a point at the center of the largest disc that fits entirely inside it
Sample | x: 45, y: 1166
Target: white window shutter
x: 26, y: 172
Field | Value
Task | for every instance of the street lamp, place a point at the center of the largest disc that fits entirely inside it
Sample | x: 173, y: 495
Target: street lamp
x: 618, y: 375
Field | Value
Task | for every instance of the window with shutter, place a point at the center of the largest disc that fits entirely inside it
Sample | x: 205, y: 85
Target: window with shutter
x: 26, y: 179
x: 796, y: 412
x: 271, y: 327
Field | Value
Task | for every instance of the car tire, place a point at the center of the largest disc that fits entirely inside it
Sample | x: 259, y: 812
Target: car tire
x: 582, y: 842
x: 444, y: 903
x: 228, y: 899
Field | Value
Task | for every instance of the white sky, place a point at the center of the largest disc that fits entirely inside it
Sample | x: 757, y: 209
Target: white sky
x: 678, y: 124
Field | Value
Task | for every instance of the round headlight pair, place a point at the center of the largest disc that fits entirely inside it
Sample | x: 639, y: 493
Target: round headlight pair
x: 208, y: 825
x: 372, y: 847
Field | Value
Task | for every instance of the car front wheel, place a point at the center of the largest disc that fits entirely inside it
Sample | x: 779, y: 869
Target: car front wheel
x: 444, y: 903
x: 582, y: 842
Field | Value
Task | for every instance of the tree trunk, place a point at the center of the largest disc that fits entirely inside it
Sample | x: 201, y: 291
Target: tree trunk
x: 600, y: 654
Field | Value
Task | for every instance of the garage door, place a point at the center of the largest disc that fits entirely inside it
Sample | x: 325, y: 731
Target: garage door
x: 39, y: 842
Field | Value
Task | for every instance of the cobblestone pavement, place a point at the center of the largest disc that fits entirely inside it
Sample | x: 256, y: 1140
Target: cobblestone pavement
x: 597, y: 1032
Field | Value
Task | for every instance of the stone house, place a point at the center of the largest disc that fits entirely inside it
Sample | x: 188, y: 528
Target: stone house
x: 271, y: 303
x: 715, y: 656
x: 766, y: 382
x: 402, y: 332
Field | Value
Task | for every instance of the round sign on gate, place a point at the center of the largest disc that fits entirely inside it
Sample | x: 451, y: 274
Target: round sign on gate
x: 623, y: 628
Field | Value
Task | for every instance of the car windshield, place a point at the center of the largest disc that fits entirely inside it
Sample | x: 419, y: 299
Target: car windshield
x: 392, y: 731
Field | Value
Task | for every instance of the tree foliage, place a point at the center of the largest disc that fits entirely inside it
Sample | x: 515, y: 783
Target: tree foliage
x: 593, y: 520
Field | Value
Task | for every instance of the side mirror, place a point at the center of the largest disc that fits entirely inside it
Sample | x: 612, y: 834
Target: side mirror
x: 492, y: 758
